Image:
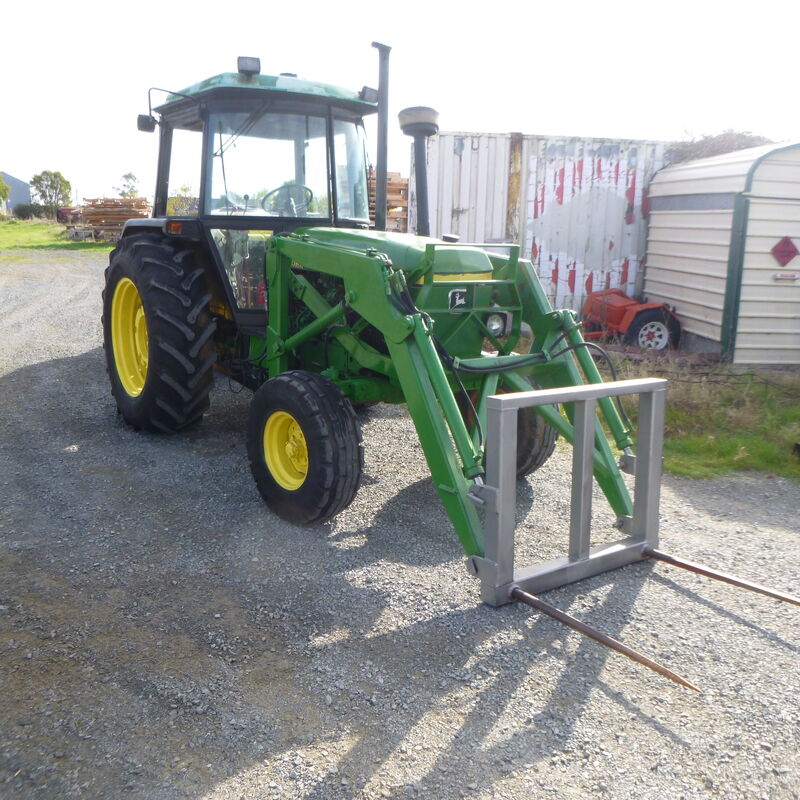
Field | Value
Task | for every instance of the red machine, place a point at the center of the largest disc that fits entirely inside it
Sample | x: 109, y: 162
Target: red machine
x: 611, y: 312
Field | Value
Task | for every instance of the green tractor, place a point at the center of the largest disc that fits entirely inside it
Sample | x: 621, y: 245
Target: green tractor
x: 272, y: 273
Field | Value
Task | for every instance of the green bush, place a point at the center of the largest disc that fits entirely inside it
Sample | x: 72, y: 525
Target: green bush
x: 31, y: 210
x: 24, y: 210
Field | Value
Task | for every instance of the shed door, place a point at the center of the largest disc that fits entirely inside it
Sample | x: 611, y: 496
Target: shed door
x: 769, y: 310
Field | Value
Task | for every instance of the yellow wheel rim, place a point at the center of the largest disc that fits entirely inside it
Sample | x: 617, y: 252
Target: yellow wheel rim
x: 129, y: 337
x: 285, y: 450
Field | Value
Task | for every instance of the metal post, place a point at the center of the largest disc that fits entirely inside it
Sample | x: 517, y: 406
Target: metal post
x: 501, y: 459
x: 647, y: 484
x: 580, y: 518
x: 421, y: 184
x: 420, y: 122
x: 383, y: 135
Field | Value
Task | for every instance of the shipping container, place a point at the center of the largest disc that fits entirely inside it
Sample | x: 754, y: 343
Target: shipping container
x: 576, y: 206
x: 723, y: 248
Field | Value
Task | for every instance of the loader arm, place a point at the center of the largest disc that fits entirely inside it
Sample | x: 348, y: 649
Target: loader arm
x: 378, y: 293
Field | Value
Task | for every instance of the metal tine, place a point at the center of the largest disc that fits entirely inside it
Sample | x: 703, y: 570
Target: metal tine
x: 720, y: 576
x: 587, y: 630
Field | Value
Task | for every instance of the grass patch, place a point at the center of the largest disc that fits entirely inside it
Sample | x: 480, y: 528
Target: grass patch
x: 17, y: 234
x: 720, y: 419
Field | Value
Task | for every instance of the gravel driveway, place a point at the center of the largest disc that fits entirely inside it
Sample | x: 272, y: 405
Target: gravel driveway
x: 164, y: 636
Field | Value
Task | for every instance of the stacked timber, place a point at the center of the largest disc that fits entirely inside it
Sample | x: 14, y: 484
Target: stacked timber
x: 396, y: 201
x: 106, y: 216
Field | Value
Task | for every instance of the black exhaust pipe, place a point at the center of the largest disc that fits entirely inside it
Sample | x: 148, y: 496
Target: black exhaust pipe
x: 420, y: 122
x: 383, y: 135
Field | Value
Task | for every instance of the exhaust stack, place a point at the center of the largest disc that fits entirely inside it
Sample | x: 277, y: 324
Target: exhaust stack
x: 383, y: 135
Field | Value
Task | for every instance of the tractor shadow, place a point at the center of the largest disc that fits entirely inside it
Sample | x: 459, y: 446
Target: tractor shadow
x: 165, y: 636
x: 697, y: 599
x: 415, y: 511
x: 477, y: 682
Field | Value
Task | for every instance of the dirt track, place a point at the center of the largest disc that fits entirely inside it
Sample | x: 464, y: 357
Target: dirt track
x: 163, y: 636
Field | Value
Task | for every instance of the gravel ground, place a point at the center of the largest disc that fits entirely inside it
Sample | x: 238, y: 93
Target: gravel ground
x: 164, y: 636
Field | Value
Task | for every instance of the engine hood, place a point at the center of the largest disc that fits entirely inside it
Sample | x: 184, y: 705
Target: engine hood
x: 407, y: 251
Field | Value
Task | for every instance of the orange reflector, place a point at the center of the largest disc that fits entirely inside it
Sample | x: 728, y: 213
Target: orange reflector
x: 174, y: 227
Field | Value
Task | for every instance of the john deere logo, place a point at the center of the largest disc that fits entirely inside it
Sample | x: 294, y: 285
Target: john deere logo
x: 458, y: 299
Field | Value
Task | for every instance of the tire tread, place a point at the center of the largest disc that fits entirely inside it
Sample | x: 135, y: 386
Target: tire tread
x: 180, y: 331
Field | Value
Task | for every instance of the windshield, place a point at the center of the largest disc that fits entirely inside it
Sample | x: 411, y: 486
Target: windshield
x: 268, y: 164
x: 276, y: 164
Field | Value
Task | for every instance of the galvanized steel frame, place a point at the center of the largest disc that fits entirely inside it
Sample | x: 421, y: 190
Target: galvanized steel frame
x: 496, y: 568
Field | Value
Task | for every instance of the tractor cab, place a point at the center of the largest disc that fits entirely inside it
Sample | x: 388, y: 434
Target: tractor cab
x: 244, y: 155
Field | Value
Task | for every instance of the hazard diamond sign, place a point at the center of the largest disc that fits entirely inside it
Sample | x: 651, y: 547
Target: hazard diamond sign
x: 784, y: 251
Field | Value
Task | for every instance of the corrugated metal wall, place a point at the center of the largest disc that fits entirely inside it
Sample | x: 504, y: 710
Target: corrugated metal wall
x: 687, y: 265
x: 712, y: 175
x: 576, y: 206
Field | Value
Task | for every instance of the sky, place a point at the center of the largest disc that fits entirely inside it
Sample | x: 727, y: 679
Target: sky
x: 76, y: 75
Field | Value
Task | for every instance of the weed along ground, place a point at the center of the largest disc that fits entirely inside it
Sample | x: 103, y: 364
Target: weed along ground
x: 163, y: 636
x: 721, y: 419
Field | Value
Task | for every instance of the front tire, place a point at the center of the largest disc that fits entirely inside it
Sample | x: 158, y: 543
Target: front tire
x: 304, y: 446
x: 536, y: 441
x: 157, y: 333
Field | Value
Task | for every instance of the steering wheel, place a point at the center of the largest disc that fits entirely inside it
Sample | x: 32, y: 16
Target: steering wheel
x: 289, y: 200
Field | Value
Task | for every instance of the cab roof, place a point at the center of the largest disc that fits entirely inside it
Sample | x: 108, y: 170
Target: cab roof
x: 236, y: 83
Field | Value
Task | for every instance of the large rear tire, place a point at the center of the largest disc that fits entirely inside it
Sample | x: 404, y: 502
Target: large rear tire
x: 304, y: 446
x: 157, y: 333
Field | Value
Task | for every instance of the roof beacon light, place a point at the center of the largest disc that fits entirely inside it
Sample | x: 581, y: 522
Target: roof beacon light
x: 248, y: 65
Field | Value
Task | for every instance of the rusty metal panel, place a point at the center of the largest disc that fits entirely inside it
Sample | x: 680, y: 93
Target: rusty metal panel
x: 577, y: 207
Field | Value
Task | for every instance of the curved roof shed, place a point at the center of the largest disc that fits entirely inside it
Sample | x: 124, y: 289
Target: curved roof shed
x: 723, y: 247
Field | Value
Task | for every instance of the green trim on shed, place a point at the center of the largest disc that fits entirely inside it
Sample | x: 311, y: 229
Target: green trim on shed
x: 733, y: 281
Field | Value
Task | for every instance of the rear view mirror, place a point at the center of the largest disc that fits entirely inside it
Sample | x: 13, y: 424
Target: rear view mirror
x: 146, y: 123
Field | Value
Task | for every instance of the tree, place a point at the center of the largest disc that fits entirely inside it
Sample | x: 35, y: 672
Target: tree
x: 52, y: 189
x: 5, y: 191
x: 129, y: 186
x: 183, y: 203
x: 716, y: 145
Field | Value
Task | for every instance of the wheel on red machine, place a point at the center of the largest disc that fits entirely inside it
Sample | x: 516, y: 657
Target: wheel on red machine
x: 304, y: 446
x: 653, y: 329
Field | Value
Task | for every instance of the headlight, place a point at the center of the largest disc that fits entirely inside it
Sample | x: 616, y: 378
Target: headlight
x: 496, y: 324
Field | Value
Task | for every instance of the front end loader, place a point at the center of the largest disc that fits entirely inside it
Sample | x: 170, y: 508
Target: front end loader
x: 261, y: 262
